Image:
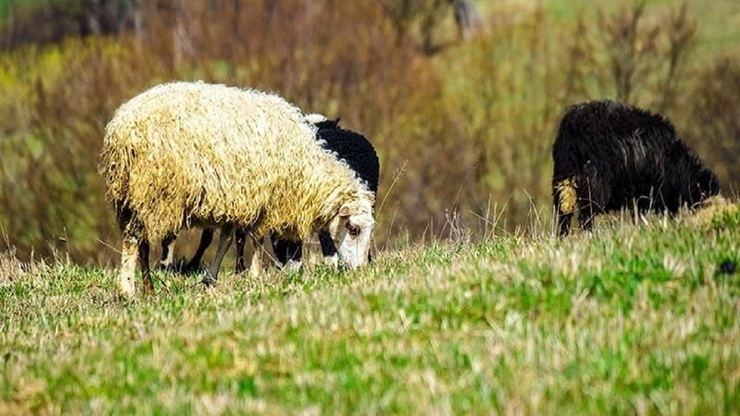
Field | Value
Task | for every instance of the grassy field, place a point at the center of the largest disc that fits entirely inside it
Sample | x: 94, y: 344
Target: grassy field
x: 633, y: 319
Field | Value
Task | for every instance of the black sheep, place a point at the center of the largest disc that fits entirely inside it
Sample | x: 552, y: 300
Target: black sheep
x: 608, y: 156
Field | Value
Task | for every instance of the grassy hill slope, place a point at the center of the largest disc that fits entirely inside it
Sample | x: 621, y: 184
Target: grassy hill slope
x: 631, y: 319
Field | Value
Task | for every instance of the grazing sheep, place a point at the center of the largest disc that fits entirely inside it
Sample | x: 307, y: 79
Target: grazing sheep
x: 196, y: 154
x: 608, y: 156
x: 348, y: 146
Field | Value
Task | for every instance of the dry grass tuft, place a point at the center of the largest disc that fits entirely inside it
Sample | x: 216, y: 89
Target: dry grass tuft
x: 13, y: 269
x: 710, y: 210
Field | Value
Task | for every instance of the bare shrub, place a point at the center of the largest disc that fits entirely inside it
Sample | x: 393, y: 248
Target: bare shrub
x: 504, y: 112
x: 645, y: 54
x: 714, y: 126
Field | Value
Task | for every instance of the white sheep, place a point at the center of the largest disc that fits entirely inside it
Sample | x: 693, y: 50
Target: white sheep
x: 354, y: 149
x: 195, y: 154
x: 349, y: 146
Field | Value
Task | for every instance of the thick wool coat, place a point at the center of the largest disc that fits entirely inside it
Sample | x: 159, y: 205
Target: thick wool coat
x: 609, y: 156
x: 195, y: 154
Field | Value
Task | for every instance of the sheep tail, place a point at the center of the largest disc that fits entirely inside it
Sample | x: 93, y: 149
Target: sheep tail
x: 566, y: 195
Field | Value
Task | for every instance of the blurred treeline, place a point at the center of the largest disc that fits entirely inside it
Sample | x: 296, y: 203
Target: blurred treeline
x: 463, y: 121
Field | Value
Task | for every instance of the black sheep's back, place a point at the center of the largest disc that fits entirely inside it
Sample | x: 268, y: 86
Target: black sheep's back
x: 357, y: 151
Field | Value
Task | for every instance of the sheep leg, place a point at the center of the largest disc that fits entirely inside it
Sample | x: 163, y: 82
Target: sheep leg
x: 586, y: 213
x: 564, y: 220
x: 241, y: 240
x: 168, y: 252
x: 134, y: 246
x: 224, y: 242
x: 146, y: 274
x: 593, y: 199
x: 126, y: 284
x: 328, y: 249
x: 255, y: 268
x: 286, y: 250
x: 205, y: 240
x: 280, y: 247
x: 564, y: 207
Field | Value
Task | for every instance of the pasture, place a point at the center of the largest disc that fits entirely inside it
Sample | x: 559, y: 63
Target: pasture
x: 471, y: 306
x: 633, y: 319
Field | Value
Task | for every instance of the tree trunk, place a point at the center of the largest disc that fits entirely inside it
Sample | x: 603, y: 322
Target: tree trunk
x: 469, y: 23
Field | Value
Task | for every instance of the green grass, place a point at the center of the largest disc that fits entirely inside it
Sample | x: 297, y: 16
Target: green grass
x: 631, y: 319
x: 718, y: 21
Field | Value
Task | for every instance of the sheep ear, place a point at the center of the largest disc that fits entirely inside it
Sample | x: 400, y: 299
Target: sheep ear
x: 346, y: 210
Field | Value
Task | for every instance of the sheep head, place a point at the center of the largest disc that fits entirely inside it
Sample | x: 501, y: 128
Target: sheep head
x: 351, y: 231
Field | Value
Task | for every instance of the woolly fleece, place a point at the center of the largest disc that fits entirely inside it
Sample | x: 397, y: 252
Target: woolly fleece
x: 195, y: 154
x: 608, y: 156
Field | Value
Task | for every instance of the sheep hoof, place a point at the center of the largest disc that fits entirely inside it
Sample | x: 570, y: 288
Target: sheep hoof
x: 208, y: 281
x: 149, y: 287
x: 126, y: 288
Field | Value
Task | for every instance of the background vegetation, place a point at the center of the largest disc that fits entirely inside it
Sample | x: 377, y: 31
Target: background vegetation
x: 463, y: 128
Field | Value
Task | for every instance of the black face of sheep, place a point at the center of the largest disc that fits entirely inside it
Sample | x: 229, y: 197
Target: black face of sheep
x: 608, y: 156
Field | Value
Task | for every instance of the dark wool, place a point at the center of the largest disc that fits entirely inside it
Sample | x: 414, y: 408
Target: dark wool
x: 353, y: 148
x: 608, y: 156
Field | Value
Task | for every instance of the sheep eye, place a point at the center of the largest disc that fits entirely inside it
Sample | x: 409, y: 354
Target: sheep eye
x: 352, y: 229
